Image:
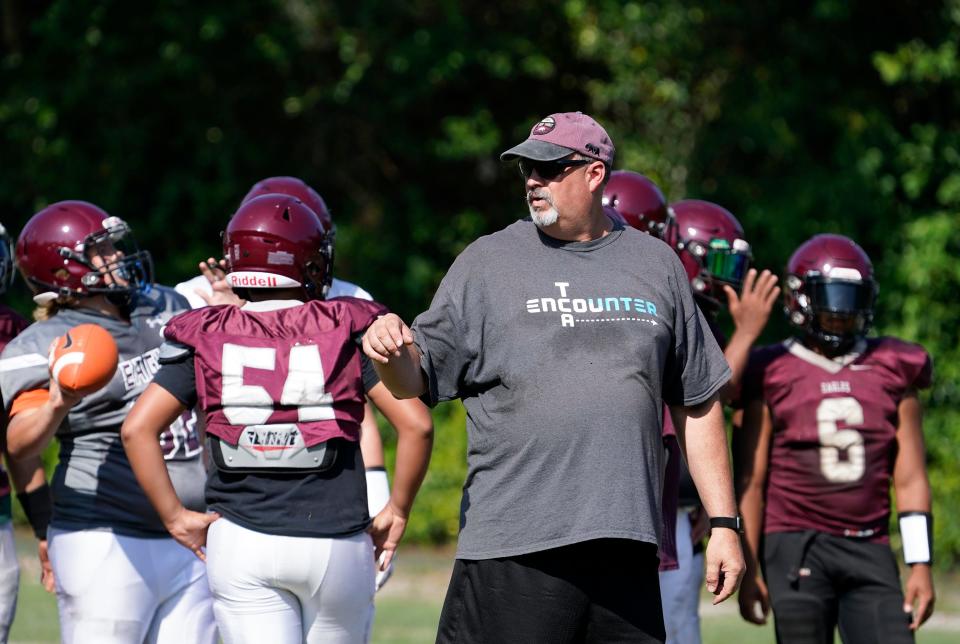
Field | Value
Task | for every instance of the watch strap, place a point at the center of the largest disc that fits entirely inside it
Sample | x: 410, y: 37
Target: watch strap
x: 733, y: 523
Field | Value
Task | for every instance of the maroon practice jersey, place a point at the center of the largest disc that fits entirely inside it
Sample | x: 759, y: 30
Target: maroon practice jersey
x: 834, y: 432
x: 265, y: 365
x: 11, y: 324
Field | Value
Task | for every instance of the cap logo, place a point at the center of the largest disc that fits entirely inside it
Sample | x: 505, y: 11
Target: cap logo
x: 544, y: 127
x: 592, y: 148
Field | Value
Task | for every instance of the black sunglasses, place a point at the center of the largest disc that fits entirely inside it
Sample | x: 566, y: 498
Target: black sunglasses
x: 548, y: 170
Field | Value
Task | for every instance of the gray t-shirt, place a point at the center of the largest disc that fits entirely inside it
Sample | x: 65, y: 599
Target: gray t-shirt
x: 561, y: 353
x: 93, y: 486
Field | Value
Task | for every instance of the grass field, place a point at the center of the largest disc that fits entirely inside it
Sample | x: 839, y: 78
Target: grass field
x: 408, y: 607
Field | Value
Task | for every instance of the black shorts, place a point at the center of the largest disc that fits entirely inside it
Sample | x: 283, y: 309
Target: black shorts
x: 606, y: 590
x: 818, y: 582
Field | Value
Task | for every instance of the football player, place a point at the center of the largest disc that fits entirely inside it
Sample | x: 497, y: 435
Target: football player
x: 210, y: 284
x: 281, y: 381
x: 712, y: 246
x: 832, y: 417
x: 118, y: 575
x: 11, y: 323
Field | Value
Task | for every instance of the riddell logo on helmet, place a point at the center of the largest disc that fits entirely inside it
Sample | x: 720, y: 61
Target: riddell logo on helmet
x: 256, y: 279
x: 253, y: 280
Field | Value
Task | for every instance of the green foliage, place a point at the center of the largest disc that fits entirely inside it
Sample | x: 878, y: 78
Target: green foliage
x: 820, y: 117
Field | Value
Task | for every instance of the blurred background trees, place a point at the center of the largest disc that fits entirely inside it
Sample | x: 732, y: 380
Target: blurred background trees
x: 828, y: 116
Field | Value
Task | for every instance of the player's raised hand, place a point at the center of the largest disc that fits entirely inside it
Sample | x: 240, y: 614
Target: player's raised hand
x: 386, y: 530
x: 919, y: 596
x: 725, y: 565
x: 751, y: 309
x: 216, y: 274
x: 754, y: 599
x: 189, y: 528
x: 385, y: 337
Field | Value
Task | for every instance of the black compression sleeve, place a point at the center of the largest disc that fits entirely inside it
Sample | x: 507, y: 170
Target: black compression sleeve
x: 370, y: 377
x: 179, y: 378
x: 38, y: 506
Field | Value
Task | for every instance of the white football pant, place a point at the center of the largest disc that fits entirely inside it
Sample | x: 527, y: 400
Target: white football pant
x: 680, y: 589
x: 9, y: 579
x: 114, y: 589
x: 287, y: 590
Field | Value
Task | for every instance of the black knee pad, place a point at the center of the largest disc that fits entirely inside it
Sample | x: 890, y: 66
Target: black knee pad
x: 801, y: 619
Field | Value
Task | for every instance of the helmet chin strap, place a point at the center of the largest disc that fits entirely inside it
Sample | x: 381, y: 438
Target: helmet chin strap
x: 831, y: 344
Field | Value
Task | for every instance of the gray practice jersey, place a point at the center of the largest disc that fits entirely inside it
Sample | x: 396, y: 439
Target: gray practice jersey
x: 562, y: 353
x: 93, y: 485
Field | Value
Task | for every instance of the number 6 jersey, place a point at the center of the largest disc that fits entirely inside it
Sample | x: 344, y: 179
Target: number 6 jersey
x: 281, y: 384
x: 834, y: 432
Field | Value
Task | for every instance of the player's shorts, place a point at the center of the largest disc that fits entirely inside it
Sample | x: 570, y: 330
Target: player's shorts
x: 9, y: 579
x: 114, y: 589
x: 270, y: 588
x: 605, y: 590
x: 680, y: 588
x: 819, y: 582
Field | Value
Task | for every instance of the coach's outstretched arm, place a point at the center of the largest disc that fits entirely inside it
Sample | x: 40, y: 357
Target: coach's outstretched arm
x: 388, y: 342
x: 704, y: 444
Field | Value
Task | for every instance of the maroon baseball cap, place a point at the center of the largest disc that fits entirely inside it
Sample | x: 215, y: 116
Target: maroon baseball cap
x: 558, y: 135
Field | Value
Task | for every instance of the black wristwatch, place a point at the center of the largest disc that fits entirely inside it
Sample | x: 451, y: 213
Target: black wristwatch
x: 733, y: 523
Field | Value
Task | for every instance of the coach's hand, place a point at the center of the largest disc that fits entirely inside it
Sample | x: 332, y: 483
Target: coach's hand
x: 754, y: 600
x: 189, y: 528
x: 386, y: 530
x: 919, y: 596
x: 725, y: 565
x: 385, y: 337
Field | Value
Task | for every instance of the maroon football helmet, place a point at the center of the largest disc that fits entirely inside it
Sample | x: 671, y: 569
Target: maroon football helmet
x: 277, y: 241
x: 75, y: 249
x: 711, y: 245
x: 830, y: 291
x: 638, y: 200
x: 6, y: 260
x: 293, y: 187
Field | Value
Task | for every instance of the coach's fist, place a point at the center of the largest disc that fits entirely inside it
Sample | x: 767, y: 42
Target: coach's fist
x: 385, y: 337
x: 724, y: 563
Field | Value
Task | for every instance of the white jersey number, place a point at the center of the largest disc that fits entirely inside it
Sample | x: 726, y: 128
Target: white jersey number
x: 303, y: 384
x: 833, y: 441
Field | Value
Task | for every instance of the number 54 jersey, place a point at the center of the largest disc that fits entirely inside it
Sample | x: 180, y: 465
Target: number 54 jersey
x: 834, y: 432
x: 285, y: 363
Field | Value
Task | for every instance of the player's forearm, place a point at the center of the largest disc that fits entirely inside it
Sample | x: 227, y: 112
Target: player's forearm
x: 704, y: 441
x: 414, y: 444
x: 402, y: 374
x: 913, y: 493
x: 737, y: 355
x: 155, y: 410
x: 26, y: 474
x: 751, y: 513
x: 146, y: 460
x: 30, y: 431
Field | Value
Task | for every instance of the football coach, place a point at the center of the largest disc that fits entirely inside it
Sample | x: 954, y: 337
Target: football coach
x: 564, y: 334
